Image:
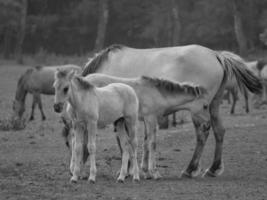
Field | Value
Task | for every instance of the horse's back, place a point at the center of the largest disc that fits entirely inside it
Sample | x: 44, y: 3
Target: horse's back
x: 42, y: 77
x: 192, y: 63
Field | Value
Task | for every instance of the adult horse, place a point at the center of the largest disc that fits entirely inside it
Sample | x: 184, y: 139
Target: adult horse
x: 36, y: 81
x: 192, y: 63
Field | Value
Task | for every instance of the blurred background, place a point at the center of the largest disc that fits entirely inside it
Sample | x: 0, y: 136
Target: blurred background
x: 40, y: 29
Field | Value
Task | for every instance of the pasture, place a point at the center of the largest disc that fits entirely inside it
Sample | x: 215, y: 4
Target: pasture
x: 34, y: 161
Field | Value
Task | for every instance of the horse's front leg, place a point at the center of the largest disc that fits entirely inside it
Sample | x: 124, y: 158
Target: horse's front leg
x: 40, y: 105
x: 201, y: 121
x: 151, y: 130
x: 91, y: 145
x: 77, y: 153
x: 131, y: 125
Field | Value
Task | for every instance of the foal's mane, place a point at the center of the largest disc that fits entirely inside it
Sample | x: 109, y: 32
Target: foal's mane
x: 170, y: 87
x: 260, y: 64
x: 95, y: 63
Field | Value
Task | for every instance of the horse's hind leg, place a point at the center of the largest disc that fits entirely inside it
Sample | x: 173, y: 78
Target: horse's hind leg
x: 34, y: 102
x: 201, y: 121
x: 246, y: 101
x: 40, y: 105
x: 218, y: 129
x: 234, y: 93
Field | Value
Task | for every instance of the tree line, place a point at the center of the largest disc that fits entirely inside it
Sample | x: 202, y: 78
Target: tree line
x: 77, y: 27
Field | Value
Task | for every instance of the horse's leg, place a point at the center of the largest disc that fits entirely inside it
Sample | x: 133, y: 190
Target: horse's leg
x: 201, y: 121
x: 91, y: 145
x: 40, y: 105
x: 144, y: 163
x: 218, y: 130
x: 174, y: 122
x: 34, y: 102
x: 79, y: 128
x: 125, y: 151
x: 235, y: 97
x: 152, y: 134
x: 131, y: 127
x: 246, y: 100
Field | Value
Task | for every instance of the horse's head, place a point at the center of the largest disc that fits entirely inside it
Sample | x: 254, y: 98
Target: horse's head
x: 18, y: 109
x: 62, y: 88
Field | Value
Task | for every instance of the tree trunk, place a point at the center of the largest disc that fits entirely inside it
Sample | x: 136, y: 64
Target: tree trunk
x: 103, y: 15
x: 176, y: 23
x: 7, y: 42
x: 21, y: 31
x: 239, y: 32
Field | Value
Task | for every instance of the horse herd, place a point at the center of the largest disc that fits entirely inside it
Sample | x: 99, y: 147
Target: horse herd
x: 124, y: 86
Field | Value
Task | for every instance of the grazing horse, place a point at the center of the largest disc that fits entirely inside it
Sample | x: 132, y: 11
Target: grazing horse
x: 193, y: 63
x: 93, y: 108
x: 37, y: 80
x: 156, y: 97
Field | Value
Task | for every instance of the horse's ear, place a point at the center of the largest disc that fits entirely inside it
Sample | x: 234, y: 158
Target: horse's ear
x: 71, y: 74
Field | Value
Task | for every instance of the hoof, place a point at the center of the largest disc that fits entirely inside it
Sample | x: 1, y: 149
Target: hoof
x: 209, y: 173
x: 91, y: 181
x: 43, y: 118
x: 136, y: 180
x: 73, y: 180
x: 119, y: 180
x: 193, y: 174
x: 31, y: 118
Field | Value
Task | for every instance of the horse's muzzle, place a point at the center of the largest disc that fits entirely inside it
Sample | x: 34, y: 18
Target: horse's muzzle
x: 58, y: 107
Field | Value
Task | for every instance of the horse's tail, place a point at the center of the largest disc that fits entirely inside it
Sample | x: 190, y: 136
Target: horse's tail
x: 235, y: 67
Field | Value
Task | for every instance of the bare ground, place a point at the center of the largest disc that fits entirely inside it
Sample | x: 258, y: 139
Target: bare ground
x: 34, y: 161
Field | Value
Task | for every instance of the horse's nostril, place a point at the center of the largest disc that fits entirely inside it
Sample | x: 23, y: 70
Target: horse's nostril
x: 57, y: 107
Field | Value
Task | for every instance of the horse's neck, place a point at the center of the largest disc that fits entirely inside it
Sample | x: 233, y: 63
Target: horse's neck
x: 21, y: 93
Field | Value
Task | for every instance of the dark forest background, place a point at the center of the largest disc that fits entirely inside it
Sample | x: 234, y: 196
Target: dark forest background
x: 76, y: 27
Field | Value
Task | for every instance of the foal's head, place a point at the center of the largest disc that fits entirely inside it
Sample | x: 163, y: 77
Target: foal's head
x: 18, y: 109
x: 62, y: 88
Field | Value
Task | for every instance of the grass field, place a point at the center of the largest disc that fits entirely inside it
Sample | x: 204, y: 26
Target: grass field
x: 34, y: 161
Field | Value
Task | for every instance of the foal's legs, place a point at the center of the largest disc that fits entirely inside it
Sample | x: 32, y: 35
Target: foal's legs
x: 201, y: 121
x: 218, y: 129
x: 91, y: 145
x: 246, y: 101
x: 77, y: 152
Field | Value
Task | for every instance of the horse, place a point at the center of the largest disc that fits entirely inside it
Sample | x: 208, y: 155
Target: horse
x: 36, y: 81
x: 192, y: 63
x: 156, y: 97
x: 92, y: 108
x: 232, y: 88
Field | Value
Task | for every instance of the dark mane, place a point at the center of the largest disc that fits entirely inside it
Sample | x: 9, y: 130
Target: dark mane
x: 83, y: 84
x: 95, y: 63
x: 170, y: 87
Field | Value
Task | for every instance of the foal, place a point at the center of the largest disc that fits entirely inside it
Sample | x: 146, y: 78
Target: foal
x: 93, y: 107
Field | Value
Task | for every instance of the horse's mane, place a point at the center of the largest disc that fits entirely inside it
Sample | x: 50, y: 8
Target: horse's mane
x: 170, y: 87
x: 83, y: 84
x: 94, y: 63
x: 38, y: 67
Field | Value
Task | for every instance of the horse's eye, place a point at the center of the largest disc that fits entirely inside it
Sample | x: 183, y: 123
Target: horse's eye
x: 65, y: 90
